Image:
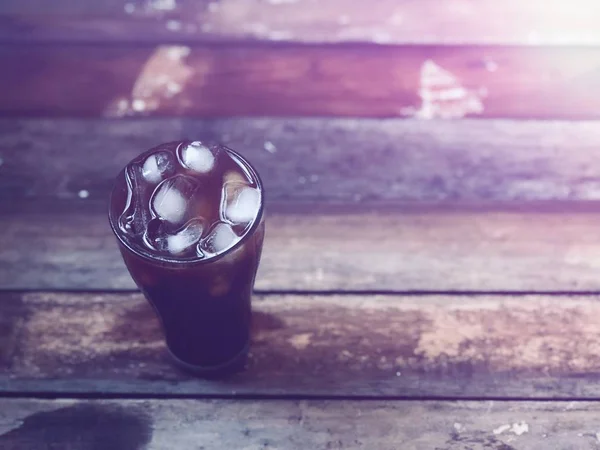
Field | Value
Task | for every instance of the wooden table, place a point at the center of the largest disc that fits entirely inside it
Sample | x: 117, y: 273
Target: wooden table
x: 426, y: 283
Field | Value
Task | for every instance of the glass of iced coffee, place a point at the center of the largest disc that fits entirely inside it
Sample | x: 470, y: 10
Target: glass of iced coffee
x: 188, y: 218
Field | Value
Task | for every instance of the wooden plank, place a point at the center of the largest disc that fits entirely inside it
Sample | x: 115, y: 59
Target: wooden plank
x: 443, y: 346
x: 185, y: 424
x: 306, y: 80
x: 511, y: 22
x: 320, y: 161
x: 429, y: 250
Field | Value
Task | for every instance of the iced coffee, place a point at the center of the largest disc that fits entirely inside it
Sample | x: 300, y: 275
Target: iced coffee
x: 188, y: 217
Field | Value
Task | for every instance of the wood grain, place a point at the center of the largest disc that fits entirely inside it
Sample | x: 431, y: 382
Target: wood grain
x: 184, y: 424
x: 300, y: 80
x: 317, y: 161
x: 420, y: 250
x: 441, y: 346
x: 535, y: 22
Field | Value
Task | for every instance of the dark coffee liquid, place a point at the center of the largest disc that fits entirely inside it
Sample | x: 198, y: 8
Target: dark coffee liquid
x: 195, y: 265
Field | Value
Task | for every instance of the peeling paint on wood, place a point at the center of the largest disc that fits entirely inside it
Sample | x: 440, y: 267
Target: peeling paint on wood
x: 443, y: 97
x: 301, y: 341
x: 163, y: 77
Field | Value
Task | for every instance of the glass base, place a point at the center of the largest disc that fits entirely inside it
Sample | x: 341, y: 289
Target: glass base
x: 235, y: 364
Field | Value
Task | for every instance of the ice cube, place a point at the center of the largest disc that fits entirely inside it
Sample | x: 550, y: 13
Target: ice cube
x: 240, y: 205
x: 136, y: 215
x: 158, y: 166
x: 219, y: 239
x: 172, y: 196
x: 198, y: 157
x: 186, y: 238
x: 233, y: 183
x: 159, y: 238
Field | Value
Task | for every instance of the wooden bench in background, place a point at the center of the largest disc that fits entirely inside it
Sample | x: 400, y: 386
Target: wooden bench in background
x: 431, y: 269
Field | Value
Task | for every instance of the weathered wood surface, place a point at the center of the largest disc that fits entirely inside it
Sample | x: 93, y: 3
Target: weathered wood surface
x: 305, y: 80
x: 443, y: 346
x: 336, y: 21
x: 316, y: 160
x: 186, y: 424
x: 428, y: 250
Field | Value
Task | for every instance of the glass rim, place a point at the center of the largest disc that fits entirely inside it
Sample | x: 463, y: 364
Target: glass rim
x: 165, y: 260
